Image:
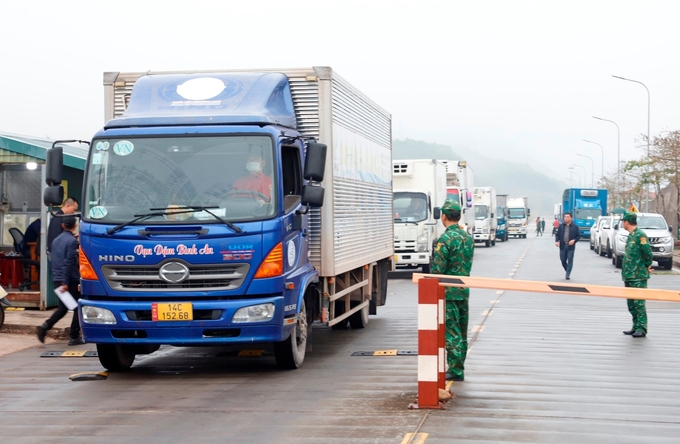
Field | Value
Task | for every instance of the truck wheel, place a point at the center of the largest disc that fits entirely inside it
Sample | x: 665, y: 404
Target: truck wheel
x: 506, y: 237
x: 426, y: 268
x: 290, y: 353
x: 360, y: 318
x: 487, y: 243
x: 339, y: 309
x: 116, y: 357
x: 493, y: 243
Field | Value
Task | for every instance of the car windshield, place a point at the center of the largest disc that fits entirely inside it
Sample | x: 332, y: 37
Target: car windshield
x: 516, y: 213
x: 652, y: 223
x: 410, y: 207
x: 230, y: 175
x: 481, y: 211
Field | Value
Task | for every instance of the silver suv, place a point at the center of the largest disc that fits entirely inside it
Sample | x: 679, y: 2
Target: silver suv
x: 659, y: 236
x: 606, y: 236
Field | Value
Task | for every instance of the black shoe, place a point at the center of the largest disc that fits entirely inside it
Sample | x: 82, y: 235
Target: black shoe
x: 629, y: 332
x: 76, y: 341
x: 450, y: 377
x: 639, y: 334
x: 567, y: 276
x: 41, y: 332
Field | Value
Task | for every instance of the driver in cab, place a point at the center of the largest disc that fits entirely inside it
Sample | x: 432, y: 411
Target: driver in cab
x: 256, y: 181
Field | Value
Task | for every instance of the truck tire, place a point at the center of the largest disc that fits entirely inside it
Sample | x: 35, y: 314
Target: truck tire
x: 339, y: 309
x: 506, y: 237
x: 290, y: 353
x: 493, y: 243
x: 426, y: 268
x: 487, y: 243
x: 360, y: 318
x: 116, y: 357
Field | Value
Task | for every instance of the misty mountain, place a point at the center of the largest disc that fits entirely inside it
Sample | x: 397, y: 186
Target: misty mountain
x: 512, y: 178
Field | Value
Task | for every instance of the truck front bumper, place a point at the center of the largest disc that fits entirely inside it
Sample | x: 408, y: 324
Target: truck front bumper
x: 481, y: 237
x: 212, y: 324
x: 514, y: 231
x: 410, y: 258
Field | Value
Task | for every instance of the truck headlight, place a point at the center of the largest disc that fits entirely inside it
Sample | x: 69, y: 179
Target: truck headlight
x: 97, y: 315
x: 421, y: 243
x: 254, y: 313
x: 667, y: 240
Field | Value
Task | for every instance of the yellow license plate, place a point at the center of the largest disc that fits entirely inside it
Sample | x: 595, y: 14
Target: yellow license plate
x: 175, y: 311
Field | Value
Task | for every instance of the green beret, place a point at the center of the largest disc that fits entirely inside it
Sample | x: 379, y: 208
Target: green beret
x: 450, y: 206
x: 630, y: 216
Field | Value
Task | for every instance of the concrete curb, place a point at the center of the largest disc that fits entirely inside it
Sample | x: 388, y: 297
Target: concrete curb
x: 55, y: 333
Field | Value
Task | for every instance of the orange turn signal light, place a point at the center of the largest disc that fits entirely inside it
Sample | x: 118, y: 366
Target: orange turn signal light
x: 272, y: 265
x: 86, y: 270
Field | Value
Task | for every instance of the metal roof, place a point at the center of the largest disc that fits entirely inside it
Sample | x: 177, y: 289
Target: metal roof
x: 21, y: 149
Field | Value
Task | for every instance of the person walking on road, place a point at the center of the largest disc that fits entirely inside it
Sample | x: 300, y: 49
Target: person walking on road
x: 54, y: 229
x: 637, y: 264
x: 66, y: 276
x: 453, y: 256
x: 566, y: 237
x: 542, y: 225
x: 556, y: 224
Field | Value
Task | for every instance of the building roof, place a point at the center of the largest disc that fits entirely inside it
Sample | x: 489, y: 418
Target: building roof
x: 21, y: 149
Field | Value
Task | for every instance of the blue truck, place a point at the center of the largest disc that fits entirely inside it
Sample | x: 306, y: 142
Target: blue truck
x: 502, y: 217
x: 231, y: 208
x: 585, y: 205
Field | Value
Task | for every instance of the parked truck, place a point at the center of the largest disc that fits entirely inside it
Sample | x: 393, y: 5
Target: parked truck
x: 502, y: 217
x: 485, y: 215
x: 419, y: 190
x: 204, y: 220
x: 460, y: 188
x: 585, y: 205
x: 518, y: 216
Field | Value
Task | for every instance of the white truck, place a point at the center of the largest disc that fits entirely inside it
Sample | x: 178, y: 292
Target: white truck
x: 485, y: 215
x: 518, y: 216
x: 460, y: 188
x: 207, y: 188
x: 419, y: 187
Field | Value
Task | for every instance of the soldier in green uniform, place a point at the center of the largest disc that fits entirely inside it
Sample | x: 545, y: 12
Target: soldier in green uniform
x: 637, y: 262
x: 453, y: 256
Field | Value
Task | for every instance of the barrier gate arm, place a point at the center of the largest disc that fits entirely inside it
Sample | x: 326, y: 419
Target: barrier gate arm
x: 648, y: 294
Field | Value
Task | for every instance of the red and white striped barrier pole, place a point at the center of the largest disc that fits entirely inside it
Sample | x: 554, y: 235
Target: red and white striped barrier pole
x: 441, y: 291
x: 428, y: 345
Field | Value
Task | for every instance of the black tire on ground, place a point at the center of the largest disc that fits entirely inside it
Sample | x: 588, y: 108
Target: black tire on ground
x: 379, y: 293
x: 668, y: 265
x: 360, y: 318
x: 618, y: 261
x: 425, y: 268
x: 592, y: 247
x: 290, y: 353
x: 487, y: 244
x: 602, y: 251
x: 116, y: 357
x: 493, y: 243
x: 609, y: 250
x: 2, y: 315
x: 339, y: 309
x: 506, y: 237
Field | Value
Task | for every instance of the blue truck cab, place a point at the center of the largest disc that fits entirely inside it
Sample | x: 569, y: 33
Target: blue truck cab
x: 585, y: 205
x: 196, y: 220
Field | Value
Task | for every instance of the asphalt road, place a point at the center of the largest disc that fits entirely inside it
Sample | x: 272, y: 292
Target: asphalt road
x: 542, y: 368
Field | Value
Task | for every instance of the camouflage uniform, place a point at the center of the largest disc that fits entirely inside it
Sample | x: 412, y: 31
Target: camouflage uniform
x: 453, y: 256
x: 634, y: 271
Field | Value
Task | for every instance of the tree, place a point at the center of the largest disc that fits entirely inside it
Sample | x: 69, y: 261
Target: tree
x: 664, y: 163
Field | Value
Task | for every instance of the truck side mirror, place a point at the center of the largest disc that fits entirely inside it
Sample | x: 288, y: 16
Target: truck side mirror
x: 437, y: 213
x: 528, y: 212
x: 670, y: 228
x: 616, y: 226
x: 312, y: 196
x: 54, y: 165
x: 53, y: 195
x: 315, y: 161
x: 492, y: 216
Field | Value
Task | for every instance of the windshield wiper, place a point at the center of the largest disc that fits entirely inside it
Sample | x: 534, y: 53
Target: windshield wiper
x: 193, y: 208
x: 139, y: 217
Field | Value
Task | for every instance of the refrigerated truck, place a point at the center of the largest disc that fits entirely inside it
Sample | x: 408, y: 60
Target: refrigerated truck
x: 585, y: 205
x: 419, y: 191
x: 484, y: 199
x: 204, y: 218
x: 518, y: 216
x: 459, y: 188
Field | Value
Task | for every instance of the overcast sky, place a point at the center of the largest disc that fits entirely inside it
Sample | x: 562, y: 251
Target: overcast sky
x: 516, y: 79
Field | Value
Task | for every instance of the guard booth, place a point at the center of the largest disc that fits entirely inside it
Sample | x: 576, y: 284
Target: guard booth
x: 22, y: 180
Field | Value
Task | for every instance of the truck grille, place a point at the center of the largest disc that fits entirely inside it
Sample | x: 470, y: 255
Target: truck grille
x: 201, y: 278
x: 404, y: 246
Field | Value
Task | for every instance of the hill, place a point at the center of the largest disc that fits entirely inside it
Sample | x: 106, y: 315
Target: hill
x: 513, y: 178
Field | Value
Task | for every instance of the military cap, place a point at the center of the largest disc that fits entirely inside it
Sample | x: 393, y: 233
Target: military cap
x: 630, y: 216
x: 450, y: 206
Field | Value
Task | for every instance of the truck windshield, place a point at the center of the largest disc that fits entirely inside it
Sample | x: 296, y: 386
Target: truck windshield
x: 587, y: 213
x: 410, y: 207
x: 516, y: 213
x: 231, y: 175
x: 499, y: 213
x: 481, y: 212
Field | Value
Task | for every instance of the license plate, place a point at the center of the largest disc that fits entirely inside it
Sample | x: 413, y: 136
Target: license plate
x: 175, y: 311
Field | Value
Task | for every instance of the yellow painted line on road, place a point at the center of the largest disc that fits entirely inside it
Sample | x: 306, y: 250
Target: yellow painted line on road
x: 418, y: 438
x: 14, y: 308
x: 477, y: 329
x: 487, y: 313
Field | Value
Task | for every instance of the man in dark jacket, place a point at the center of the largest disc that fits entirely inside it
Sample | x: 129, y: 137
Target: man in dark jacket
x: 566, y: 237
x: 66, y: 276
x: 69, y: 206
